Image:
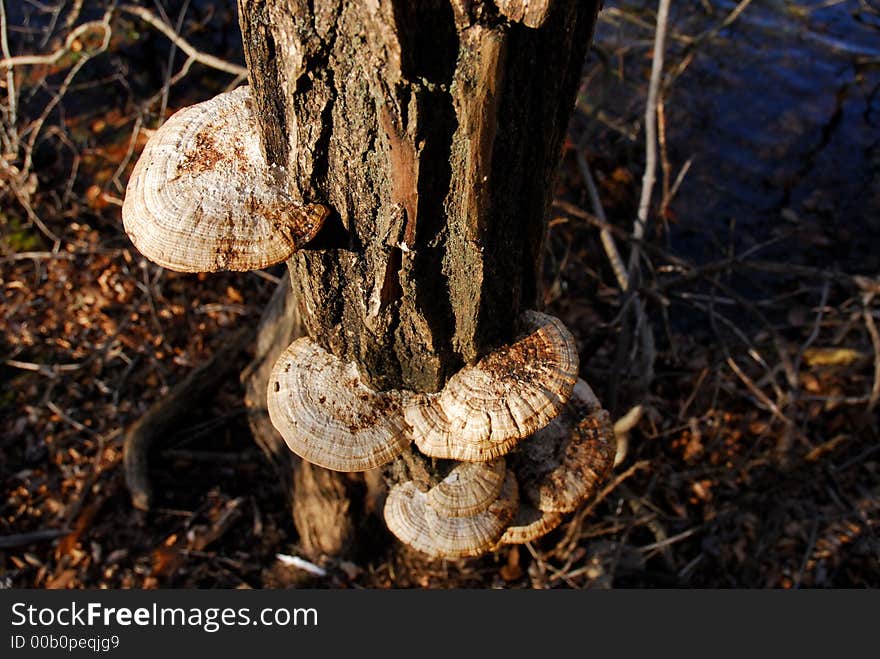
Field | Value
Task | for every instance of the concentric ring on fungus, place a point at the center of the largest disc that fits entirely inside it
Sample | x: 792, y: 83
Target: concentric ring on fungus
x: 202, y: 198
x: 329, y: 416
x: 440, y: 534
x: 529, y: 524
x: 487, y: 408
x: 468, y: 488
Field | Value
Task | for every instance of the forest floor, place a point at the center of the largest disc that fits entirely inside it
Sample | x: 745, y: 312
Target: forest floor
x: 755, y: 461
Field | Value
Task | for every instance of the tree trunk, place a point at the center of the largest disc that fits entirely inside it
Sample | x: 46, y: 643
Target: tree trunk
x: 318, y: 498
x: 433, y: 130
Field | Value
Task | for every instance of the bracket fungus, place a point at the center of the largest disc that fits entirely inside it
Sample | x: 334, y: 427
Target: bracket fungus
x: 469, y: 488
x: 558, y: 468
x: 329, y: 416
x: 529, y: 524
x: 202, y: 198
x: 561, y: 465
x: 487, y: 408
x: 461, y: 521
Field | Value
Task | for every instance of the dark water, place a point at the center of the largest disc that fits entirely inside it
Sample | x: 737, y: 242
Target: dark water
x: 781, y: 114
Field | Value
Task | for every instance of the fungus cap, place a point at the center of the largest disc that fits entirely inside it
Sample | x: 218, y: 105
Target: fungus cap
x: 202, y: 198
x: 442, y: 535
x: 529, y: 524
x: 469, y: 488
x: 563, y: 464
x: 329, y: 416
x: 487, y: 407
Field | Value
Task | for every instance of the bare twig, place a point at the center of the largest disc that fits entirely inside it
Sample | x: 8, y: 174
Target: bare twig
x: 11, y: 113
x: 875, y: 342
x: 679, y: 179
x: 605, y: 234
x: 756, y: 391
x: 23, y: 539
x: 35, y: 128
x: 810, y: 544
x: 50, y: 370
x: 69, y: 419
x: 51, y: 58
x: 815, y: 331
x: 650, y: 133
x: 169, y: 81
x: 24, y: 256
x: 202, y: 58
x: 129, y: 152
x: 665, y: 165
x: 669, y: 540
x: 574, y: 528
x: 704, y: 37
x: 33, y: 217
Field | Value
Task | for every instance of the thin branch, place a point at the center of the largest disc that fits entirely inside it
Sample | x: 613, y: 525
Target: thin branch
x: 679, y: 179
x: 10, y: 81
x: 605, y: 234
x: 875, y: 342
x: 202, y: 58
x: 817, y: 325
x: 53, y: 57
x: 37, y: 125
x: 650, y: 133
x: 172, y: 52
x: 69, y: 419
x: 699, y: 40
x: 756, y: 391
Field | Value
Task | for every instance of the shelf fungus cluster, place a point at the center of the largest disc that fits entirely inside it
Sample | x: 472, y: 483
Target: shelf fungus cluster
x: 508, y: 446
x: 520, y: 438
x: 202, y: 197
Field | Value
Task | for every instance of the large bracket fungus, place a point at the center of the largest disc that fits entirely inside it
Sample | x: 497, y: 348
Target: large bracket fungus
x: 328, y: 416
x: 460, y: 521
x: 522, y: 406
x: 202, y: 198
x: 487, y: 408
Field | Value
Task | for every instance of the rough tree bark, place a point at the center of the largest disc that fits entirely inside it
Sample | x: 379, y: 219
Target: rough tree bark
x: 433, y: 129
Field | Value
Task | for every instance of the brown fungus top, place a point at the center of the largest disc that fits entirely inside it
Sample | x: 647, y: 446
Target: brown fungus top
x: 486, y: 408
x: 563, y: 464
x: 329, y: 416
x: 202, y: 198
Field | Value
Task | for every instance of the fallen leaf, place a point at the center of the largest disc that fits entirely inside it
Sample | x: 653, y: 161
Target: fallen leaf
x: 831, y: 356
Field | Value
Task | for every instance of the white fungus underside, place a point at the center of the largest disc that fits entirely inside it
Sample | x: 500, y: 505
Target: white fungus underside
x: 477, y: 416
x: 328, y: 416
x: 190, y: 203
x: 565, y: 462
